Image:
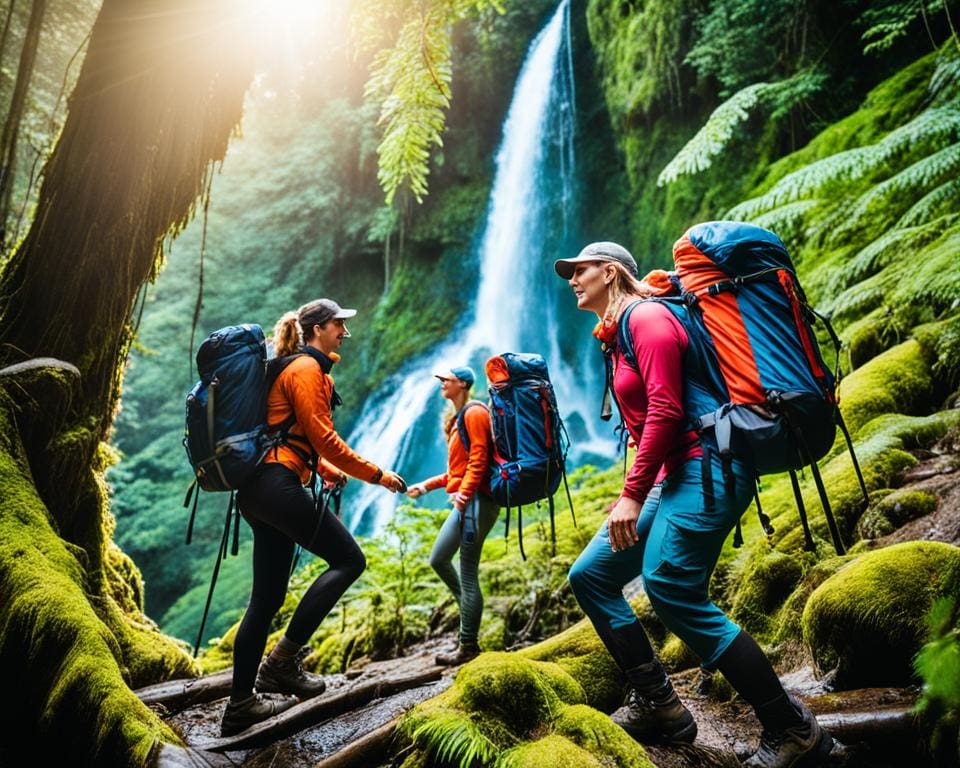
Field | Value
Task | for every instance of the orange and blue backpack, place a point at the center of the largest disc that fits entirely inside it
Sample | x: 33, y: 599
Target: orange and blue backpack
x: 755, y: 383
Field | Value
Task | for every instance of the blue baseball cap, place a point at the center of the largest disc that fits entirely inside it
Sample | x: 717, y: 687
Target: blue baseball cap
x: 464, y: 373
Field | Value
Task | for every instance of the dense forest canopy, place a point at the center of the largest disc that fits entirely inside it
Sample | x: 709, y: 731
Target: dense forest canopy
x: 170, y: 167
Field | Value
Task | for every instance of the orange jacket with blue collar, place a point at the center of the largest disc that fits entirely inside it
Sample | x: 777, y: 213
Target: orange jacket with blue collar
x: 305, y: 390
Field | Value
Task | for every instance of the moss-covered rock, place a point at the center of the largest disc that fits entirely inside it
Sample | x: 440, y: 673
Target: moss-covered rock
x: 517, y: 690
x: 897, y: 381
x: 553, y: 750
x: 868, y: 620
x: 894, y: 510
x: 597, y: 734
x: 579, y: 652
x: 762, y: 588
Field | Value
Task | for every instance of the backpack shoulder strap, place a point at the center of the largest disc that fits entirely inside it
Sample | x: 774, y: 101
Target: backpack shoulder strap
x: 461, y: 424
x: 625, y: 337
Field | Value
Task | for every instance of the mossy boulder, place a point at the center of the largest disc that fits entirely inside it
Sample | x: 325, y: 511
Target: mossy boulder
x: 579, y: 652
x: 762, y: 588
x: 868, y: 620
x: 552, y: 750
x: 896, y: 381
x: 517, y: 690
x: 894, y: 510
x: 597, y: 734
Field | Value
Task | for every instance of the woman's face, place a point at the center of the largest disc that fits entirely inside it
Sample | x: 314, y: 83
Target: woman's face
x: 450, y: 388
x: 330, y: 335
x: 590, y: 286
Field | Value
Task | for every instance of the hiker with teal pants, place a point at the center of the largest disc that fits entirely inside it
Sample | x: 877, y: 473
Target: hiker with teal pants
x: 669, y: 525
x: 469, y: 442
x: 283, y: 513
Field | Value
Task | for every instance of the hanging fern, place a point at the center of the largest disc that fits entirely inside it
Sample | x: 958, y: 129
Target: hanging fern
x: 886, y: 200
x: 411, y: 82
x: 945, y: 81
x: 930, y: 130
x: 787, y: 220
x: 714, y: 136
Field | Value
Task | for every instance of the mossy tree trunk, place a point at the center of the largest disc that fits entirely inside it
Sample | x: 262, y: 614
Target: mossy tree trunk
x: 159, y: 95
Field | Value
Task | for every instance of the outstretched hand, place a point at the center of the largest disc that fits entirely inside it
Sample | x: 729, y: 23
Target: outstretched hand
x: 416, y: 490
x: 393, y: 482
x: 622, y: 524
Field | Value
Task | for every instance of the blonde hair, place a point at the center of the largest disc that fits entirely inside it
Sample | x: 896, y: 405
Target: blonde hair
x: 624, y: 284
x: 287, y: 335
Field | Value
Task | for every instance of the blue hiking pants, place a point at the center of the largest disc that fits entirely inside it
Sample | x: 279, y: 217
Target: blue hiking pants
x: 681, y: 533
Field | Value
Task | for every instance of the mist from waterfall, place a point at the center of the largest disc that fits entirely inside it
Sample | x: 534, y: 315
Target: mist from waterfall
x: 521, y: 305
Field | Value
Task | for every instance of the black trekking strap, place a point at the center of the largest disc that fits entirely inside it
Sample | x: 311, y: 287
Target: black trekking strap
x: 853, y: 455
x: 606, y: 404
x: 807, y: 537
x: 706, y: 480
x: 761, y: 516
x: 221, y: 553
x: 211, y: 397
x: 553, y: 530
x: 520, y: 530
x: 822, y: 492
x: 235, y: 549
x: 193, y: 513
x: 566, y: 487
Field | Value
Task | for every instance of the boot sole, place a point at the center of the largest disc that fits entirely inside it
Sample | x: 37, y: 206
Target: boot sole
x: 815, y: 756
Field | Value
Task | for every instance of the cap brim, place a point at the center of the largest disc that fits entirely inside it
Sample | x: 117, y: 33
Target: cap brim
x: 443, y: 374
x: 566, y: 267
x: 343, y: 314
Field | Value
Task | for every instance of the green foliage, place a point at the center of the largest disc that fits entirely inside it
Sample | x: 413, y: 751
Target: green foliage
x: 870, y: 618
x: 411, y: 80
x: 453, y: 738
x: 938, y: 664
x: 888, y: 20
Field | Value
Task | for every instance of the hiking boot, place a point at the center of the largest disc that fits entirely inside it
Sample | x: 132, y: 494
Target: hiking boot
x: 806, y: 744
x: 464, y: 653
x: 653, y: 713
x: 254, y: 709
x: 278, y: 675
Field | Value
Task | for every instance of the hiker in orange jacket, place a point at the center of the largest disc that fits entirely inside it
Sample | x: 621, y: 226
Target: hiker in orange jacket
x: 474, y: 512
x: 283, y: 514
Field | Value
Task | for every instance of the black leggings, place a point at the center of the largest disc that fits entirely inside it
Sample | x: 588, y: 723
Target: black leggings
x: 282, y: 514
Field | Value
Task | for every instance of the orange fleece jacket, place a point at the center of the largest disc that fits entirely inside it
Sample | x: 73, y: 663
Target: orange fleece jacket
x: 467, y: 474
x: 304, y: 390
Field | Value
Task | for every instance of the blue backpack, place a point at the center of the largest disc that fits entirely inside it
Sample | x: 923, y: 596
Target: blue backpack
x: 226, y: 434
x: 755, y: 384
x: 529, y: 440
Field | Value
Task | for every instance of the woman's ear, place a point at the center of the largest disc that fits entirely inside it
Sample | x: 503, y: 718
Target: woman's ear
x: 609, y: 273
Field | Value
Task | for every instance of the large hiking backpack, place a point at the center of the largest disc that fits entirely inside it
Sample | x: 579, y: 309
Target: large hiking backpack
x: 529, y: 440
x: 756, y: 386
x: 226, y: 434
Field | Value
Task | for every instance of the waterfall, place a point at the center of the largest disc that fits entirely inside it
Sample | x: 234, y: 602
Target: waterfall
x: 521, y: 305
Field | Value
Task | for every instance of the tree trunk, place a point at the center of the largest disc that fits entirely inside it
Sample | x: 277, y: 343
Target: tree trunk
x: 159, y: 95
x: 4, y: 36
x: 11, y: 127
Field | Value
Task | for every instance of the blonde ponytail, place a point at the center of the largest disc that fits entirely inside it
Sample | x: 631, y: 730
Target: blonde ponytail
x: 287, y: 335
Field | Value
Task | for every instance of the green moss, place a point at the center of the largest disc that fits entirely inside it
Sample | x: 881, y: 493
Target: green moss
x: 517, y: 690
x: 579, y: 652
x: 894, y: 510
x: 597, y: 734
x: 70, y: 653
x: 676, y: 655
x: 897, y: 381
x: 553, y: 750
x: 869, y: 619
x: 762, y: 588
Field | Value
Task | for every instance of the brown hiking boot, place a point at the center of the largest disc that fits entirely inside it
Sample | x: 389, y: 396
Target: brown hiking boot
x: 464, y: 653
x: 287, y: 676
x: 653, y: 713
x: 806, y: 744
x: 254, y: 709
x: 661, y: 723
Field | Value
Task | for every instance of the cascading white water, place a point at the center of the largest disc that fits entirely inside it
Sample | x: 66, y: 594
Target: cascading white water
x: 520, y: 305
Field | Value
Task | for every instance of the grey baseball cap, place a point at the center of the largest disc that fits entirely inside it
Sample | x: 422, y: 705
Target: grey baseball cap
x: 601, y: 251
x: 323, y: 311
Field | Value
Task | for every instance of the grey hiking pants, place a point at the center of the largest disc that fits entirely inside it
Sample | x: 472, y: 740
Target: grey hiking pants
x: 465, y: 586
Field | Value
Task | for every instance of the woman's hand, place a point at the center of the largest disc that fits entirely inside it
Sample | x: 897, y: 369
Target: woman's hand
x: 460, y: 501
x: 622, y: 524
x: 416, y: 490
x: 392, y: 481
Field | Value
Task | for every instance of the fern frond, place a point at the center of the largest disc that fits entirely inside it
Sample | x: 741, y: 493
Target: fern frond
x: 877, y: 206
x: 452, y: 737
x: 938, y: 202
x: 930, y: 130
x: 787, y: 220
x: 714, y: 136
